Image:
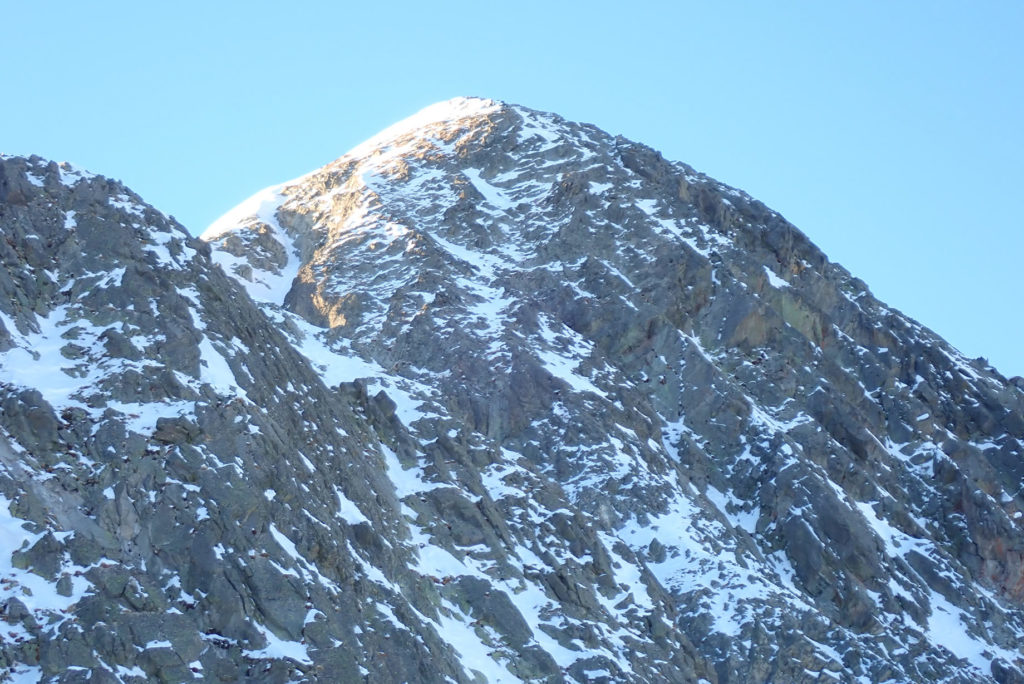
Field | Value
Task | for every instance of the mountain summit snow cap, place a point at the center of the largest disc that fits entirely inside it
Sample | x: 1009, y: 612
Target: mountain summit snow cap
x: 264, y: 204
x: 441, y: 113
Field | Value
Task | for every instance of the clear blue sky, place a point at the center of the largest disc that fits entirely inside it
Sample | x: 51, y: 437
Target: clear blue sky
x: 892, y: 133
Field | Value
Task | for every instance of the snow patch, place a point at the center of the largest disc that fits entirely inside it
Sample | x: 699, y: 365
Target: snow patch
x: 774, y: 280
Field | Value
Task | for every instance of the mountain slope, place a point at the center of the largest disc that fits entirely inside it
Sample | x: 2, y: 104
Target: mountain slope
x: 785, y: 456
x: 198, y: 504
x: 495, y: 396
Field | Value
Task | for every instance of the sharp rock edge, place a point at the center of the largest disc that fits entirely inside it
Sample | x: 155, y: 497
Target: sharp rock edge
x: 495, y: 396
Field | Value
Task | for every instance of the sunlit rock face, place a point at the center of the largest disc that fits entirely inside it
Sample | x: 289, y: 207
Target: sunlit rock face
x: 494, y: 395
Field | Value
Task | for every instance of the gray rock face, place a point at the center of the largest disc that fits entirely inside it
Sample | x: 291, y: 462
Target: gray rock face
x: 183, y: 497
x: 498, y: 397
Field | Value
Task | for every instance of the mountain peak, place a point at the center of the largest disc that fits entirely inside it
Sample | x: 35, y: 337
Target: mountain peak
x: 548, y: 287
x: 510, y: 399
x: 437, y: 119
x: 440, y: 115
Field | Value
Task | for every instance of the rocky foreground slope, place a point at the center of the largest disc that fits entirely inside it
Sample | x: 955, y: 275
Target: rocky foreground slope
x: 493, y: 397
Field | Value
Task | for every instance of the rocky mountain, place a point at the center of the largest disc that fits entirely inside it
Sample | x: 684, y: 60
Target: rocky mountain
x: 493, y: 397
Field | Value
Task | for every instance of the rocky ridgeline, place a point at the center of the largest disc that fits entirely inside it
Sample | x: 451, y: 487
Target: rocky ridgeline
x: 495, y: 396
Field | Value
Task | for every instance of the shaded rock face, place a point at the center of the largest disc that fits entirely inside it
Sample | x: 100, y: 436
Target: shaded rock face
x: 498, y: 397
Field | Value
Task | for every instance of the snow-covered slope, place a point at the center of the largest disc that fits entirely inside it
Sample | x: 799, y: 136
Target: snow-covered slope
x: 765, y: 452
x: 494, y: 396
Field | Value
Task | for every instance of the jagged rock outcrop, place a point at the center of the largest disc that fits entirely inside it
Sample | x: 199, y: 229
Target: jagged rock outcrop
x: 195, y: 501
x: 494, y: 395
